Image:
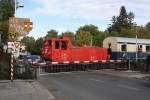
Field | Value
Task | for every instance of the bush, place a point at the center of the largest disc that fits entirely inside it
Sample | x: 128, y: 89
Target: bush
x: 4, y: 67
x: 24, y: 72
x: 138, y: 65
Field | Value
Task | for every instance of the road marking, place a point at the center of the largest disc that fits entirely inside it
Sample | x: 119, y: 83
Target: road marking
x: 45, y: 74
x: 128, y: 87
x: 96, y: 80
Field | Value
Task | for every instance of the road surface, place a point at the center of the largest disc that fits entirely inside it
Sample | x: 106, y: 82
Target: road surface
x: 95, y: 86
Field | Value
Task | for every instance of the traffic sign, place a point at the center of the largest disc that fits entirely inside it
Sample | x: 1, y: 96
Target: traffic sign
x: 12, y: 36
x: 16, y: 25
x: 14, y: 46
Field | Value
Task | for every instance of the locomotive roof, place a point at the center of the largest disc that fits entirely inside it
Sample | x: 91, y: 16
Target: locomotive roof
x: 131, y: 40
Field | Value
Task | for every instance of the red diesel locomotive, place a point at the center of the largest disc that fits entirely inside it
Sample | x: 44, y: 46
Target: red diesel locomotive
x: 61, y: 50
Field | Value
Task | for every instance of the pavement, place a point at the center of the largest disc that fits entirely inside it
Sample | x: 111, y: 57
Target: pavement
x: 24, y: 90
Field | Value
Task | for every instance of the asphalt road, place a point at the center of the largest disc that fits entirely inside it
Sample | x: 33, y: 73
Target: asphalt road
x: 95, y: 86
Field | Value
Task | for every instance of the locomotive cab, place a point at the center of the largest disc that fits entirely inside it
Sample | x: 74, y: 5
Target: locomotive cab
x: 56, y: 49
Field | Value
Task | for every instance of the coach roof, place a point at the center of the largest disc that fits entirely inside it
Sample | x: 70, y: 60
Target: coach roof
x: 130, y: 40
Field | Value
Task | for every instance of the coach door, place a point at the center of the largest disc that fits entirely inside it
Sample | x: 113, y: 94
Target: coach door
x: 56, y: 51
x: 64, y: 51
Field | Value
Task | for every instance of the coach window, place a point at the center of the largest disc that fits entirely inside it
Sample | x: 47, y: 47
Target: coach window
x: 147, y: 48
x: 63, y: 45
x: 139, y: 47
x: 56, y: 44
x: 124, y: 47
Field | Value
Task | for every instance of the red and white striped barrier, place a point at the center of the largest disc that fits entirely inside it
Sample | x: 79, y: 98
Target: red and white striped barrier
x: 94, y: 61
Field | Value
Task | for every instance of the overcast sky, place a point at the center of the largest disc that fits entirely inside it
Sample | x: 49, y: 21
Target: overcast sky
x: 69, y: 15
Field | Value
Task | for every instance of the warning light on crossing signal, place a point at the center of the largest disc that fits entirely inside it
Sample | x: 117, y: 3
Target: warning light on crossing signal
x: 28, y: 26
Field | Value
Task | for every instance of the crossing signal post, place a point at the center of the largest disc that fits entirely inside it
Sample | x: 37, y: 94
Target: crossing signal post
x: 12, y: 36
x: 18, y: 27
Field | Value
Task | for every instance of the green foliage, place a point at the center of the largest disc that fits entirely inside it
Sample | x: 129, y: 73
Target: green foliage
x: 91, y: 34
x: 38, y: 45
x: 33, y: 46
x: 4, y: 67
x: 83, y: 38
x: 29, y: 42
x: 122, y: 22
x: 70, y: 35
x: 92, y: 29
x: 6, y: 11
x: 124, y: 33
x: 138, y: 65
x: 52, y: 33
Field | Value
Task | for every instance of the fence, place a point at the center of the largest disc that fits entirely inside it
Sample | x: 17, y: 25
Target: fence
x: 55, y: 68
x: 133, y: 65
x: 21, y: 71
x: 25, y: 71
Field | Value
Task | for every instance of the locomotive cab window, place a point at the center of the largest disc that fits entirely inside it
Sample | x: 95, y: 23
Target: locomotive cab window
x: 124, y: 47
x: 63, y: 45
x: 56, y: 44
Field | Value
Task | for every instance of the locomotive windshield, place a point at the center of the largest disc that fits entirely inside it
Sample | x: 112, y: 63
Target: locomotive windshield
x: 49, y: 42
x: 63, y: 45
x: 56, y: 44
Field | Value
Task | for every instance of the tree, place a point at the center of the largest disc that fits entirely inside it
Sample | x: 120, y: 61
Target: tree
x: 52, y: 33
x: 122, y: 19
x: 94, y: 33
x: 6, y: 11
x: 122, y: 22
x: 83, y: 38
x: 38, y: 45
x: 68, y: 34
x: 131, y: 19
x: 29, y: 42
x: 92, y: 29
x: 71, y: 35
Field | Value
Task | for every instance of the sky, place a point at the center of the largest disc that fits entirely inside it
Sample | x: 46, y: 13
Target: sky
x: 69, y: 15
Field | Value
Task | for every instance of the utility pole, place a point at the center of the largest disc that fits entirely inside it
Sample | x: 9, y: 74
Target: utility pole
x: 17, y: 6
x: 91, y: 41
x: 136, y: 48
